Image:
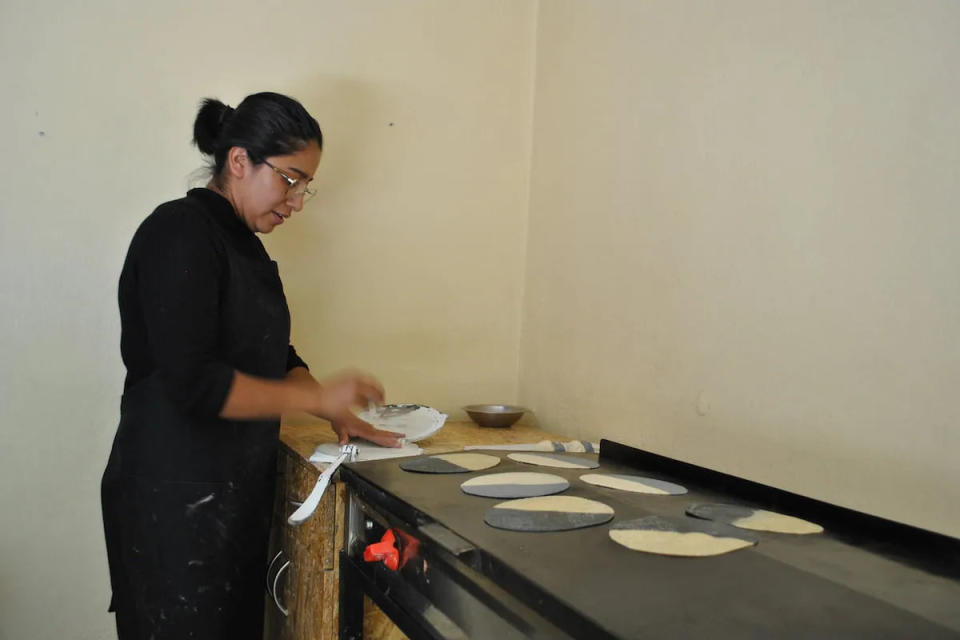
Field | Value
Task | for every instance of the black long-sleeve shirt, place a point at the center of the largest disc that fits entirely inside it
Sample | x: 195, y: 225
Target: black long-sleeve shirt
x: 169, y: 296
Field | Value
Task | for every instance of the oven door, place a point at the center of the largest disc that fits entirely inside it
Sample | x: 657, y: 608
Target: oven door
x: 437, y: 588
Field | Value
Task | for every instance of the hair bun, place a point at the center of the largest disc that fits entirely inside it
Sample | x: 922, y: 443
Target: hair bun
x: 211, y: 119
x: 225, y: 114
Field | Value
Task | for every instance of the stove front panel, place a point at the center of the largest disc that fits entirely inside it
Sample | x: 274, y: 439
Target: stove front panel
x: 436, y: 589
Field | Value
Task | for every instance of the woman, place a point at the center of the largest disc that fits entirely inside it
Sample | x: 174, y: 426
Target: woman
x: 187, y: 493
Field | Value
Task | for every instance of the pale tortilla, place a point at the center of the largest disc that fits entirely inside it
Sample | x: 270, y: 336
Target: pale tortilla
x: 634, y: 484
x: 753, y: 519
x: 672, y: 536
x: 566, y: 504
x: 672, y: 543
x: 559, y: 461
x: 778, y: 523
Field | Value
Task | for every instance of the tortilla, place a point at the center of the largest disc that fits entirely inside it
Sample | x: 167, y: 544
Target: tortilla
x: 753, y: 519
x: 450, y: 463
x: 686, y: 537
x: 514, y: 485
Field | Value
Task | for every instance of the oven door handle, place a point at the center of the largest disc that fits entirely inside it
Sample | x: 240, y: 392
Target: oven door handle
x: 449, y: 541
x: 276, y: 598
x: 270, y: 569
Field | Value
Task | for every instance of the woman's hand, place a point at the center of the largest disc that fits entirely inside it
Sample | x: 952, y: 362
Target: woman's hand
x: 336, y: 396
x: 350, y: 425
x: 332, y: 399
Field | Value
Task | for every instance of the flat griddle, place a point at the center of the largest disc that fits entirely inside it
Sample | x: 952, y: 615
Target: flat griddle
x: 863, y: 577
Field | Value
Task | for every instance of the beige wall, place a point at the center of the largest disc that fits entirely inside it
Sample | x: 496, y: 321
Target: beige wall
x: 407, y: 262
x: 741, y: 246
x: 743, y: 241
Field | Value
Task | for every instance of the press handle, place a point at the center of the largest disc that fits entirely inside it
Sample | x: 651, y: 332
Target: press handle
x: 313, y: 500
x: 298, y: 517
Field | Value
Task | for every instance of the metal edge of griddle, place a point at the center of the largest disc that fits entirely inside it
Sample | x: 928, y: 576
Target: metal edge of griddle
x: 933, y: 552
x: 476, y: 570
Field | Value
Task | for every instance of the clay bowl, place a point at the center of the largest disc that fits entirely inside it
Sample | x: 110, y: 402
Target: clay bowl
x: 494, y: 415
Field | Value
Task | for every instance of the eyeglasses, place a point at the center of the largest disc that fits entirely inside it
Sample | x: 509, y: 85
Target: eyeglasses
x: 296, y: 187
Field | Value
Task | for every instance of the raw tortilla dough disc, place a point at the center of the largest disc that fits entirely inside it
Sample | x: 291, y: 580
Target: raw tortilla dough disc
x: 550, y: 513
x: 450, y: 463
x: 636, y: 484
x: 753, y: 519
x: 670, y: 536
x: 555, y: 460
x: 520, y: 484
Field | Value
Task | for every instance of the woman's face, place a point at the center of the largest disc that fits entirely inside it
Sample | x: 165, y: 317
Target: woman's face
x: 262, y: 196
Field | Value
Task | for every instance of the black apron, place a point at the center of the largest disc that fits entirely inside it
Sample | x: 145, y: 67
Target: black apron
x: 187, y: 502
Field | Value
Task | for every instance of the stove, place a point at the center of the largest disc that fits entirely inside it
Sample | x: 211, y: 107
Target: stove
x: 442, y: 572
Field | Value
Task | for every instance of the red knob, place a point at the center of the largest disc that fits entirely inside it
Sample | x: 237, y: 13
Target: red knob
x: 383, y: 551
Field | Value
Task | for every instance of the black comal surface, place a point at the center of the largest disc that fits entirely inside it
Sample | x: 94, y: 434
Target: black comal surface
x: 845, y: 582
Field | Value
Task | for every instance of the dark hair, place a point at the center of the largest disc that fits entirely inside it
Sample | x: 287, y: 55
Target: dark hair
x: 265, y: 124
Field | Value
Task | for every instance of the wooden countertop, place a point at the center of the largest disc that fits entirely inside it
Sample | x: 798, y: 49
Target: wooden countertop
x: 302, y: 439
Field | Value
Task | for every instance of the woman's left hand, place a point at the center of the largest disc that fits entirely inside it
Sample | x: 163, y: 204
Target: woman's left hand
x: 348, y: 425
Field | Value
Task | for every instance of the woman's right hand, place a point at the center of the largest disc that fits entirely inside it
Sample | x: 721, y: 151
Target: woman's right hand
x: 331, y: 399
x: 337, y: 395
